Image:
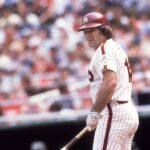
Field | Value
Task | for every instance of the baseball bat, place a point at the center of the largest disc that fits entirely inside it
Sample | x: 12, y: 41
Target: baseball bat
x: 76, y: 138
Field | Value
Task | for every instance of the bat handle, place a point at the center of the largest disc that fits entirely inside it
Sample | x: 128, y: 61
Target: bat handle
x: 82, y: 132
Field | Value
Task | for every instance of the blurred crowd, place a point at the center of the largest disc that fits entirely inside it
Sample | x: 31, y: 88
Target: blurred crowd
x: 41, y: 50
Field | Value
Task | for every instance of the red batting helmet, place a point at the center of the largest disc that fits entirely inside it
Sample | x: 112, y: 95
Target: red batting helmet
x: 92, y: 20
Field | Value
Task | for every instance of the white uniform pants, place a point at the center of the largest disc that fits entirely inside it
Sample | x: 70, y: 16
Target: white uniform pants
x: 116, y: 129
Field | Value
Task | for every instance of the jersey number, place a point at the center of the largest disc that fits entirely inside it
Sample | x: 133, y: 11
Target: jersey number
x: 91, y: 76
x: 129, y: 70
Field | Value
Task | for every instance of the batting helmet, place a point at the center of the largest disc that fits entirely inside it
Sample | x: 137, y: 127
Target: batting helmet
x: 92, y: 20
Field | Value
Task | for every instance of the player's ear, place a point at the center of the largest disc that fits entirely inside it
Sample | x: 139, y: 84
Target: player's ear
x: 106, y: 31
x: 101, y: 30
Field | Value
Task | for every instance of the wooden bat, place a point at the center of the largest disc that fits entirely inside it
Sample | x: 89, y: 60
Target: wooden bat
x: 76, y: 138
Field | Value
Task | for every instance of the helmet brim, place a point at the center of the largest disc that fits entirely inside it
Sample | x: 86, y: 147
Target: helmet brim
x: 87, y: 26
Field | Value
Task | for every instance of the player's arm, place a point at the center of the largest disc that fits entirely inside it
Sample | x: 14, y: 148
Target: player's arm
x: 107, y: 87
x: 103, y: 97
x: 106, y: 90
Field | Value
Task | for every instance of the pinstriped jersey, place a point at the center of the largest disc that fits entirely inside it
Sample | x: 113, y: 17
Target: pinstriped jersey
x: 110, y: 55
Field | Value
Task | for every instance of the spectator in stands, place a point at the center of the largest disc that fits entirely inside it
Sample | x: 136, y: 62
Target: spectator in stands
x: 66, y: 99
x: 43, y: 34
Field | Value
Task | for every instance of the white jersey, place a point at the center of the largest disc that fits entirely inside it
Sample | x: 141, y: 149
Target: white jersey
x: 111, y: 56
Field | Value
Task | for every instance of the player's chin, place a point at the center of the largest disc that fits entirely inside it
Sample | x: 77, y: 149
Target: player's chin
x: 92, y: 46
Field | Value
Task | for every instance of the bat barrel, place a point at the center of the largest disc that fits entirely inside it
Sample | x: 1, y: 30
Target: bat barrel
x: 72, y: 142
x: 75, y: 139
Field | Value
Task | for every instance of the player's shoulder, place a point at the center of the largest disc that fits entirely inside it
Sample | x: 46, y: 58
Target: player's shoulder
x: 112, y: 46
x: 107, y: 46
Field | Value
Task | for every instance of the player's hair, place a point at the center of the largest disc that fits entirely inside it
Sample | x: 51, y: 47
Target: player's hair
x: 106, y: 31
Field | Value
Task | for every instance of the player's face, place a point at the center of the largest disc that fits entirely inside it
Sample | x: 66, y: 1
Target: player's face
x: 93, y: 37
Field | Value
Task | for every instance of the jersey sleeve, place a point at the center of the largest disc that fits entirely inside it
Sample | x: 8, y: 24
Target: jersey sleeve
x: 108, y: 57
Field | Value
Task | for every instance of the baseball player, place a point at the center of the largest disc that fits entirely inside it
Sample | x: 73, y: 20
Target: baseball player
x: 112, y: 114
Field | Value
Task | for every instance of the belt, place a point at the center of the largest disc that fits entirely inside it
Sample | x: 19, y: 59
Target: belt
x: 122, y: 102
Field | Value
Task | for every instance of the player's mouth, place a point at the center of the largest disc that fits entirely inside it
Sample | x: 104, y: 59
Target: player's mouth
x: 90, y: 42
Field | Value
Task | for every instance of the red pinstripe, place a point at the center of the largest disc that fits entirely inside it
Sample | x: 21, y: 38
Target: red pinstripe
x: 108, y: 127
x: 102, y: 49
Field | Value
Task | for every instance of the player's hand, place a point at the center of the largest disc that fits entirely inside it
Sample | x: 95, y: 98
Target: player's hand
x: 92, y: 120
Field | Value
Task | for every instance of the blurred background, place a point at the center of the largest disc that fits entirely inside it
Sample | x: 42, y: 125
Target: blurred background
x: 44, y: 88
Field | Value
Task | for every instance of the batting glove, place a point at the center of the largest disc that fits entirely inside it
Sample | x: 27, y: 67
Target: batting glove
x: 92, y: 120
